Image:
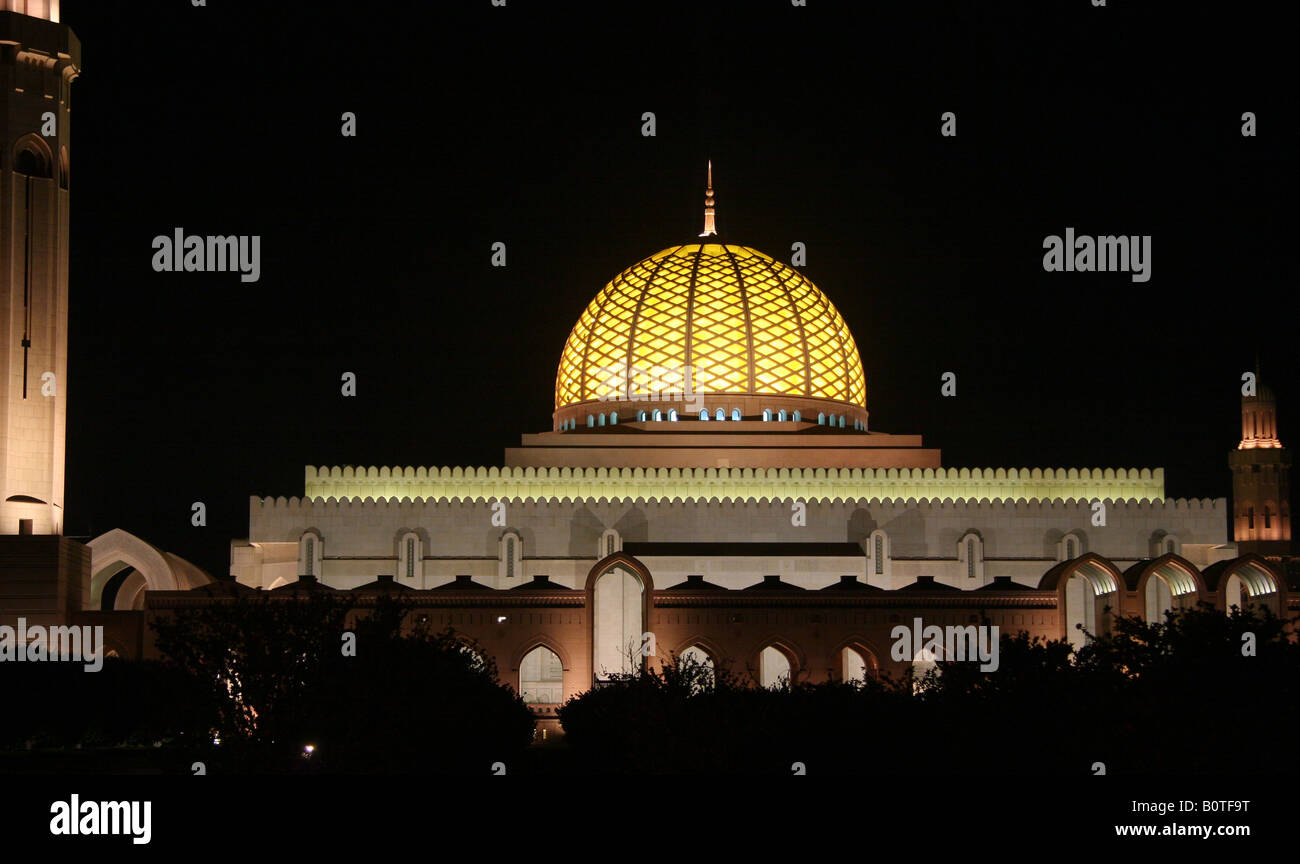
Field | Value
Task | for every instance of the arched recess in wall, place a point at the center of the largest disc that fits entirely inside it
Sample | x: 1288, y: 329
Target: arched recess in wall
x: 1165, y: 543
x: 137, y: 566
x: 1070, y: 546
x: 776, y: 664
x: 618, y: 622
x: 311, y: 554
x: 32, y: 157
x: 1168, y: 583
x: 700, y: 660
x: 1248, y: 581
x: 510, y: 558
x: 410, y: 558
x: 878, y: 564
x: 541, y: 676
x: 970, y: 554
x: 610, y: 542
x: 855, y: 660
x: 1087, y: 596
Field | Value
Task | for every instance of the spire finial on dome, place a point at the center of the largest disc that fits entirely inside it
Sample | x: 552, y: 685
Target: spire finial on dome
x: 709, y: 229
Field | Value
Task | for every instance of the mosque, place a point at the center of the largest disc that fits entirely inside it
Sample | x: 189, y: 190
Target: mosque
x: 710, y: 484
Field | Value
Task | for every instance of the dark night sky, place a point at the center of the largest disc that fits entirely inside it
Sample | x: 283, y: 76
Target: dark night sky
x: 522, y: 124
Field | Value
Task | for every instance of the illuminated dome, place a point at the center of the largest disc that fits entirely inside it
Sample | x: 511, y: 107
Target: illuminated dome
x: 745, y: 324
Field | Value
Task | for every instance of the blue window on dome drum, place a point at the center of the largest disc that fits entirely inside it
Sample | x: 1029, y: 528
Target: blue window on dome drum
x: 640, y: 415
x: 735, y: 414
x: 704, y: 413
x: 720, y: 414
x: 798, y: 417
x: 781, y: 415
x: 821, y: 418
x: 672, y: 414
x: 600, y: 421
x: 767, y: 414
x: 613, y: 418
x: 841, y: 421
x: 658, y: 415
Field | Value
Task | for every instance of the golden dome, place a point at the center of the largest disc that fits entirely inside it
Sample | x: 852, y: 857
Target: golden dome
x: 742, y: 322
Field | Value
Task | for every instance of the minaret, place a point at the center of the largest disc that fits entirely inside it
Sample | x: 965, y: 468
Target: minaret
x: 709, y: 229
x: 39, y: 59
x: 1261, y: 493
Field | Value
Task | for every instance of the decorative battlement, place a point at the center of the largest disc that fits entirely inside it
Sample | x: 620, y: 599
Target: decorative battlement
x: 737, y: 484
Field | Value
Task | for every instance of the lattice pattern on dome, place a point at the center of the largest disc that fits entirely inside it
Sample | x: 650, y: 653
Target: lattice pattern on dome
x: 743, y: 323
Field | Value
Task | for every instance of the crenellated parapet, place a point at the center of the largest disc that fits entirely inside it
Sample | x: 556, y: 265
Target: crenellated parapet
x: 736, y: 484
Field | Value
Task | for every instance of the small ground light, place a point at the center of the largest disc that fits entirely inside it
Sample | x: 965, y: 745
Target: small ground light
x: 501, y: 618
x: 308, y: 750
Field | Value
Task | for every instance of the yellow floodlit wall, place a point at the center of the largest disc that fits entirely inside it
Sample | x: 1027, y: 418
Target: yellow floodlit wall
x: 806, y: 484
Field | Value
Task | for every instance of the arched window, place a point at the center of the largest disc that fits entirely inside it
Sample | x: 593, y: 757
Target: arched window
x: 1069, y: 549
x: 618, y: 620
x: 970, y: 551
x: 410, y: 556
x: 720, y: 415
x: 698, y: 660
x: 613, y: 418
x: 767, y: 414
x: 32, y: 158
x: 511, y: 564
x: 821, y: 418
x: 854, y: 665
x: 773, y: 668
x: 591, y: 421
x: 310, y: 554
x: 697, y: 655
x: 704, y: 413
x: 841, y: 421
x: 672, y: 414
x: 877, y: 549
x: 541, y: 677
x: 658, y: 415
x: 735, y: 414
x: 798, y: 417
x: 610, y: 542
x: 780, y: 416
x: 600, y: 419
x: 640, y: 416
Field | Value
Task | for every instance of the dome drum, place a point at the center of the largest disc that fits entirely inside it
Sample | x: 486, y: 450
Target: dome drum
x: 723, y: 409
